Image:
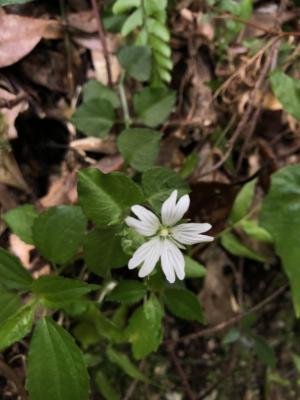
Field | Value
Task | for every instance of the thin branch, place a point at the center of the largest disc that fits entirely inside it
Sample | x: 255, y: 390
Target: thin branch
x: 182, y: 375
x: 231, y: 321
x: 102, y: 40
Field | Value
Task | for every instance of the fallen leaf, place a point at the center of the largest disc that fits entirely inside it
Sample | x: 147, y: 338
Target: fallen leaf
x: 84, y: 21
x: 18, y: 36
x: 100, y: 67
x: 21, y: 249
x: 95, y: 145
x: 10, y: 173
x: 62, y: 191
x: 10, y: 113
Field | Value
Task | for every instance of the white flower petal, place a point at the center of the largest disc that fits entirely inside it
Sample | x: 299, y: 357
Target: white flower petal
x: 166, y: 262
x: 172, y: 212
x: 146, y: 216
x: 140, y: 254
x: 177, y: 260
x: 140, y: 227
x: 151, y: 259
x: 192, y: 227
x: 168, y: 208
x: 191, y: 233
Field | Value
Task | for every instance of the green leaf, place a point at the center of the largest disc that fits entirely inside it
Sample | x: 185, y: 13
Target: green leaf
x: 12, y: 273
x: 94, y: 117
x: 102, y: 251
x: 153, y: 310
x: 16, y: 326
x: 132, y: 22
x: 95, y: 90
x: 139, y: 147
x: 281, y: 217
x: 158, y: 184
x: 128, y: 292
x: 62, y: 374
x: 158, y: 29
x: 189, y: 165
x: 255, y: 231
x: 287, y: 91
x: 106, y: 198
x: 9, y: 304
x: 183, y: 304
x: 136, y: 60
x: 56, y: 290
x: 235, y: 247
x: 154, y: 105
x: 154, y: 6
x: 122, y: 361
x: 193, y: 269
x: 20, y: 221
x: 140, y: 322
x: 106, y: 388
x: 264, y: 351
x: 122, y: 6
x: 243, y: 201
x: 58, y: 233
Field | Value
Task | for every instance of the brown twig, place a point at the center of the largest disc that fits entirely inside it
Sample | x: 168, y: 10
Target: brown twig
x: 10, y: 375
x: 182, y: 375
x: 256, y: 26
x: 102, y: 40
x: 231, y: 321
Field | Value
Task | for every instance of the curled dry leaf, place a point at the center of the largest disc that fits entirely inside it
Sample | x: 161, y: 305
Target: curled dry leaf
x: 21, y: 249
x: 18, y: 36
x: 10, y: 173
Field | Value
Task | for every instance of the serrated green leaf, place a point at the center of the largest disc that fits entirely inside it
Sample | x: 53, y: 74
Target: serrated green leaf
x: 193, y: 269
x: 58, y: 233
x: 158, y: 29
x: 123, y: 361
x: 20, y: 220
x: 57, y: 290
x: 94, y: 117
x: 142, y: 344
x: 159, y: 182
x: 106, y: 198
x: 287, y: 91
x: 183, y: 304
x: 133, y: 21
x: 16, y: 326
x: 136, y: 60
x: 281, y: 218
x: 96, y: 90
x: 243, y: 201
x: 103, y: 251
x: 160, y: 46
x: 139, y: 147
x: 9, y: 304
x: 12, y: 273
x: 235, y: 247
x: 128, y: 292
x: 122, y: 6
x: 63, y: 366
x: 106, y: 388
x: 153, y: 105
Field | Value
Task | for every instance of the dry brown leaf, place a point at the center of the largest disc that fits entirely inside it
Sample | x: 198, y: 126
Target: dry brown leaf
x: 62, y: 191
x: 10, y: 173
x: 18, y: 36
x: 110, y: 164
x: 95, y: 145
x: 10, y: 113
x: 84, y: 21
x: 100, y: 67
x: 21, y: 249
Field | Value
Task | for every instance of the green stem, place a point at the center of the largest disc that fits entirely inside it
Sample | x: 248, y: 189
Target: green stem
x: 124, y: 103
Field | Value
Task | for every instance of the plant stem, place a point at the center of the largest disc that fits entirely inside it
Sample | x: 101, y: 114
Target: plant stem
x: 124, y: 103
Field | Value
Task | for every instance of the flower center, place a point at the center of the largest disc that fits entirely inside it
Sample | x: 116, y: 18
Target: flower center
x: 164, y: 232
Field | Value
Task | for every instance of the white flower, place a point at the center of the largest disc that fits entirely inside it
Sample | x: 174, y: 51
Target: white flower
x: 165, y: 237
